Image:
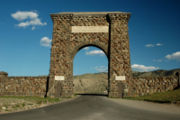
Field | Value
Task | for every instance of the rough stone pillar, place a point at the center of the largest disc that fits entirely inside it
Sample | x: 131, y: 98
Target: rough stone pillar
x: 3, y: 78
x: 178, y: 79
x: 60, y: 83
x: 120, y: 69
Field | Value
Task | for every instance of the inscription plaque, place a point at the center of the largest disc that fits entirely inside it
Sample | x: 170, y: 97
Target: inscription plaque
x: 90, y: 29
x: 120, y: 78
x: 59, y: 78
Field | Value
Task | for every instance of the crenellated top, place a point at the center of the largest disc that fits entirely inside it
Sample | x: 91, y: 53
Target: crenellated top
x: 109, y: 16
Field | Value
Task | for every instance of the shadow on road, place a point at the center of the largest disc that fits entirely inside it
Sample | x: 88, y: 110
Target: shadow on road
x: 91, y: 94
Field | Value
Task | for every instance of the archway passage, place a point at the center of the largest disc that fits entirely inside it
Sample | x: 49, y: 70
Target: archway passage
x: 90, y: 72
x: 72, y: 31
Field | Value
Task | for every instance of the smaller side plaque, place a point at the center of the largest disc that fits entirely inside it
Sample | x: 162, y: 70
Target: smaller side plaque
x: 59, y: 77
x: 120, y: 78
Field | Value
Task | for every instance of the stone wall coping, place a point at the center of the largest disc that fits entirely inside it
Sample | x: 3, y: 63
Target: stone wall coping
x: 89, y: 13
x: 28, y: 76
x: 172, y: 76
x: 113, y: 16
x: 110, y: 16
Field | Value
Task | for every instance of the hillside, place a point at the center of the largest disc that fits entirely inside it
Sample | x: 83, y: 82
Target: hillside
x: 157, y: 73
x: 98, y: 82
x: 91, y: 83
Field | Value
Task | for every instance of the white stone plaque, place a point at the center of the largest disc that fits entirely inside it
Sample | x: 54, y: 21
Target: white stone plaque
x: 59, y: 77
x: 90, y: 29
x: 121, y: 78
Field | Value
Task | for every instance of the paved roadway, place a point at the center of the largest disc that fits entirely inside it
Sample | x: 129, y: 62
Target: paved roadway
x: 89, y: 108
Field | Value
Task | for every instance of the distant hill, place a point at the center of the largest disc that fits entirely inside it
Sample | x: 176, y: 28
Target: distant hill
x: 157, y: 73
x: 91, y: 83
x: 98, y: 82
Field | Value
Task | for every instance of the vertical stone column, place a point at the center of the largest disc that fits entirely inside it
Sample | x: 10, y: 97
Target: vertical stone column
x: 120, y: 68
x: 60, y: 83
x: 178, y: 79
x: 3, y: 78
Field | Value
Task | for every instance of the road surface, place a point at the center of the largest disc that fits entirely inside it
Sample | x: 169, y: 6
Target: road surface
x: 90, y: 108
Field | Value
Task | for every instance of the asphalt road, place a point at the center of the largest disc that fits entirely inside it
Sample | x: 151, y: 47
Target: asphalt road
x: 89, y: 108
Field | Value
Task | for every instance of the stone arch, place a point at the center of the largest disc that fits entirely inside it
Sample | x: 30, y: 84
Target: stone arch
x: 78, y: 48
x: 105, y: 30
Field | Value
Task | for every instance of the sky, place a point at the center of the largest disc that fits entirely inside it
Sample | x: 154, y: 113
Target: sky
x: 26, y: 34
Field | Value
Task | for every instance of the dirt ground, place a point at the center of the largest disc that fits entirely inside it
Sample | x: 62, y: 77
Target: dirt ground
x: 8, y: 105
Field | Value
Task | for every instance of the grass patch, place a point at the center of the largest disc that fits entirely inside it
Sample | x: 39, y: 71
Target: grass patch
x: 33, y: 98
x: 163, y: 97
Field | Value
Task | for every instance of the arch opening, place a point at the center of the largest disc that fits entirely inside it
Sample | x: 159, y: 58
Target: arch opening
x: 90, y: 71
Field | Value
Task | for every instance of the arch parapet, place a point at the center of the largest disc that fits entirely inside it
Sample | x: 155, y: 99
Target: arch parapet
x: 113, y: 16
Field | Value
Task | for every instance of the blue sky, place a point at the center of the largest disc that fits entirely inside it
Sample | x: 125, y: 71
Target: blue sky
x: 26, y: 33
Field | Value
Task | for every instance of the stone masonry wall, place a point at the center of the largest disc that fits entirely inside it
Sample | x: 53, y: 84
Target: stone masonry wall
x: 140, y: 86
x: 37, y: 86
x: 23, y: 86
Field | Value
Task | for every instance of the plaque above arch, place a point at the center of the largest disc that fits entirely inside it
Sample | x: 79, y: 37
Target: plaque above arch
x: 90, y: 29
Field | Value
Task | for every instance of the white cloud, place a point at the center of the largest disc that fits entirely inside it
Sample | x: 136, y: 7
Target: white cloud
x: 22, y: 15
x: 45, y: 41
x: 95, y: 52
x: 154, y: 45
x: 159, y: 44
x: 143, y: 68
x: 28, y: 18
x: 101, y: 68
x: 173, y: 56
x: 86, y: 48
x: 149, y: 45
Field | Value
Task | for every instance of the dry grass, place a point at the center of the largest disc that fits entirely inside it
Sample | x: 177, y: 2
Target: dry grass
x: 19, y: 103
x: 163, y: 97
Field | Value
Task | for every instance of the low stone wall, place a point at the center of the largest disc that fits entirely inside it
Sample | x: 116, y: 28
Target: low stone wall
x: 23, y: 86
x: 37, y: 86
x: 147, y: 85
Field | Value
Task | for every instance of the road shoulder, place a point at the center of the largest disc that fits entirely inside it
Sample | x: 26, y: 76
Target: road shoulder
x: 149, y: 106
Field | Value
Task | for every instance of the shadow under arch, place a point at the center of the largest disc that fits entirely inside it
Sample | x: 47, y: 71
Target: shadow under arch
x: 92, y: 94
